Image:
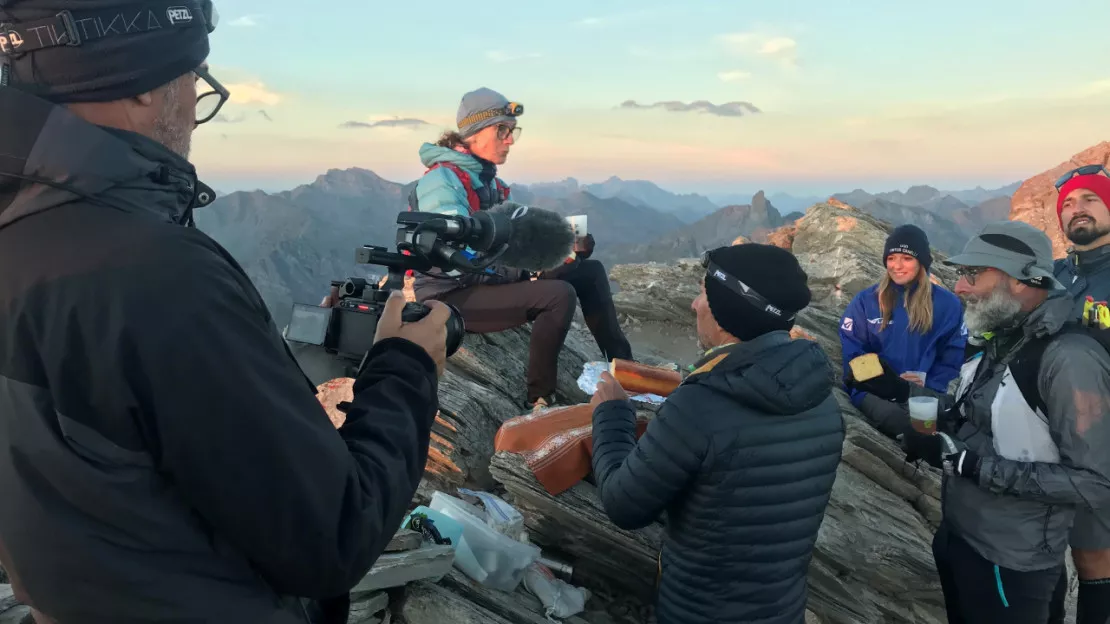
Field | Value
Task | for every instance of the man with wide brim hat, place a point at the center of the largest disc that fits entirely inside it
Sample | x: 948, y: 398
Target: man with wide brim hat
x: 1022, y: 440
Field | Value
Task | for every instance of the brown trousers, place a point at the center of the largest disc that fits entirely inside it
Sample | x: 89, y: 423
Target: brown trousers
x: 548, y: 304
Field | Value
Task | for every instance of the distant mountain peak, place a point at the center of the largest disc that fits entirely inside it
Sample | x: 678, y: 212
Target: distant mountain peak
x: 354, y: 181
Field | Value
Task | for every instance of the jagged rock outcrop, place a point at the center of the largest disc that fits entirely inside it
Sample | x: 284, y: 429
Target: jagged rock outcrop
x: 841, y: 247
x: 753, y: 221
x: 1035, y: 201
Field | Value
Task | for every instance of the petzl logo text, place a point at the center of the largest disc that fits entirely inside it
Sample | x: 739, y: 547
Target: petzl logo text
x: 10, y: 41
x: 179, y: 15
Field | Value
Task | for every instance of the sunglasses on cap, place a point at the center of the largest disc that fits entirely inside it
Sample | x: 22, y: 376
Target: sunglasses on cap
x: 740, y: 288
x: 1081, y: 171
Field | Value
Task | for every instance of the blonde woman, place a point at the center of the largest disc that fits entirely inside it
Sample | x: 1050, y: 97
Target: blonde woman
x: 916, y: 326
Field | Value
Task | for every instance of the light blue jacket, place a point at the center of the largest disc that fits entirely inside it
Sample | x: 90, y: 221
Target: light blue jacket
x: 441, y: 191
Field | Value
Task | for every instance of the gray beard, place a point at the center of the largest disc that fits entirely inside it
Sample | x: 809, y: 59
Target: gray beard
x: 995, y: 311
x: 169, y: 129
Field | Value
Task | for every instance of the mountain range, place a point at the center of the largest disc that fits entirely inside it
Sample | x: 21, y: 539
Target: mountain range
x: 293, y: 243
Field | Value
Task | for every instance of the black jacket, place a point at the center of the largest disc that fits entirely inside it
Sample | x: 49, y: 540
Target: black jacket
x: 162, y: 457
x: 742, y: 456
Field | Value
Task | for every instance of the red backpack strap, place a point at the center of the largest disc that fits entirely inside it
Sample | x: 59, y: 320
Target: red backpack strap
x: 464, y: 177
x: 502, y: 189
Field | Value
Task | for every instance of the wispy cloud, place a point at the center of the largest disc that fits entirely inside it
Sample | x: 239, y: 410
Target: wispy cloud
x: 253, y: 93
x: 245, y: 21
x: 781, y: 49
x: 728, y: 109
x: 501, y: 56
x: 601, y: 21
x: 735, y: 75
x: 407, y: 122
x: 1096, y: 88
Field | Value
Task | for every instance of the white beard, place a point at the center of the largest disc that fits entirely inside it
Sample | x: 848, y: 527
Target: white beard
x: 997, y: 310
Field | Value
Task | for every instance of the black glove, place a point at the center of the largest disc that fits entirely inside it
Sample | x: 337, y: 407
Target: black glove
x: 887, y: 386
x: 941, y: 451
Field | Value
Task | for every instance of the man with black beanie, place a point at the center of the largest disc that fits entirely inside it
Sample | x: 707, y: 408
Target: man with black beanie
x: 162, y: 456
x: 742, y: 456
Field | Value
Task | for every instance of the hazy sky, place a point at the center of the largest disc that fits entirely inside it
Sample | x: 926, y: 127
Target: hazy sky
x: 852, y: 94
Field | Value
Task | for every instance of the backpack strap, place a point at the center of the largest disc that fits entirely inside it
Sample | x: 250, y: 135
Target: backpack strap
x: 464, y: 177
x: 1026, y: 365
x: 1025, y: 368
x: 502, y: 189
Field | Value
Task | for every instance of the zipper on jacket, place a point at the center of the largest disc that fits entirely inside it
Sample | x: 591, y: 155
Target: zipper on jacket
x: 1044, y: 533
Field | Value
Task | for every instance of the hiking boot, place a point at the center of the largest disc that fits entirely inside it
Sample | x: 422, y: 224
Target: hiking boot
x: 542, y: 404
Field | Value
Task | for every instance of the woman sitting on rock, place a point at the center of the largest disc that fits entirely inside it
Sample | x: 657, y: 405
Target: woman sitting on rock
x: 908, y: 321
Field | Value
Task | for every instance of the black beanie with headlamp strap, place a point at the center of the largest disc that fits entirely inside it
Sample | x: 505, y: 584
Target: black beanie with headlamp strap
x: 123, y: 48
x: 771, y: 272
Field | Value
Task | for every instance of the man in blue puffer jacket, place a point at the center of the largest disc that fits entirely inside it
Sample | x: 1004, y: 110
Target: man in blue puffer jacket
x: 462, y: 179
x: 909, y: 322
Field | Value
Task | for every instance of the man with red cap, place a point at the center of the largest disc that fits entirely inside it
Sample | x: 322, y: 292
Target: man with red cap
x: 1084, y: 215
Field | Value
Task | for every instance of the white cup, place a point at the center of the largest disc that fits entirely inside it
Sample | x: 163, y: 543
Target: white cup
x: 921, y: 375
x: 923, y: 414
x: 578, y: 222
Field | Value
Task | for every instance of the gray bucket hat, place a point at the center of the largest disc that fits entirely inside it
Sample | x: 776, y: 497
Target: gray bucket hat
x: 1013, y: 247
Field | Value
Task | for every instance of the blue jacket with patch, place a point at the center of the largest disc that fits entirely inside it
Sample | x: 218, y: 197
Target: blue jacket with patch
x: 939, y: 352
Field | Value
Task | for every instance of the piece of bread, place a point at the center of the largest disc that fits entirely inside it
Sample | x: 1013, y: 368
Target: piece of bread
x: 866, y: 366
x: 638, y: 378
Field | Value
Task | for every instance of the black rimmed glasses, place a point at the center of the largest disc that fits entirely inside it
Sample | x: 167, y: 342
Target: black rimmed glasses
x: 211, y: 97
x: 969, y: 273
x: 504, y: 131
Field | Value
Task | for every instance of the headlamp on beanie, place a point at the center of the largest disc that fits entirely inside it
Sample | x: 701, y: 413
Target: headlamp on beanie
x: 740, y: 288
x: 512, y: 109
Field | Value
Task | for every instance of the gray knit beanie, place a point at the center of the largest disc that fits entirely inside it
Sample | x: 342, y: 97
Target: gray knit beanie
x: 483, y: 108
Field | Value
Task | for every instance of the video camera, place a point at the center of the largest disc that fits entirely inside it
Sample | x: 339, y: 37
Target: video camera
x: 425, y: 240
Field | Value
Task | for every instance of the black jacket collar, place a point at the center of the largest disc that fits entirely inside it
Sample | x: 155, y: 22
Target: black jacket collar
x: 52, y: 157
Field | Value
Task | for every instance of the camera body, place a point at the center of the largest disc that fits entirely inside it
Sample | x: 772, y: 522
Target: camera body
x: 424, y: 241
x: 348, y: 328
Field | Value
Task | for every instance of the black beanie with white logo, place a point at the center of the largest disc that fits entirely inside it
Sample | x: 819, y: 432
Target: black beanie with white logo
x: 101, y: 50
x: 910, y: 240
x: 770, y: 271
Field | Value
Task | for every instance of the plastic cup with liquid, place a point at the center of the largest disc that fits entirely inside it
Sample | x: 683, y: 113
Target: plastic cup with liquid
x: 918, y: 377
x: 923, y: 414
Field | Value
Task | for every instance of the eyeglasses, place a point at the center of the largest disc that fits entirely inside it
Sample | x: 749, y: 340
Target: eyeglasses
x: 969, y: 273
x: 504, y: 131
x: 735, y: 285
x: 1081, y: 171
x: 210, y: 100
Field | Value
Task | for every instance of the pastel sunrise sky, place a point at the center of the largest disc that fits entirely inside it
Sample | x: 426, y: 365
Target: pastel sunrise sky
x: 866, y: 93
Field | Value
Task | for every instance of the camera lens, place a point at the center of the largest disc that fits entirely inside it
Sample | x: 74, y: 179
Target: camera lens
x: 456, y: 331
x: 456, y: 328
